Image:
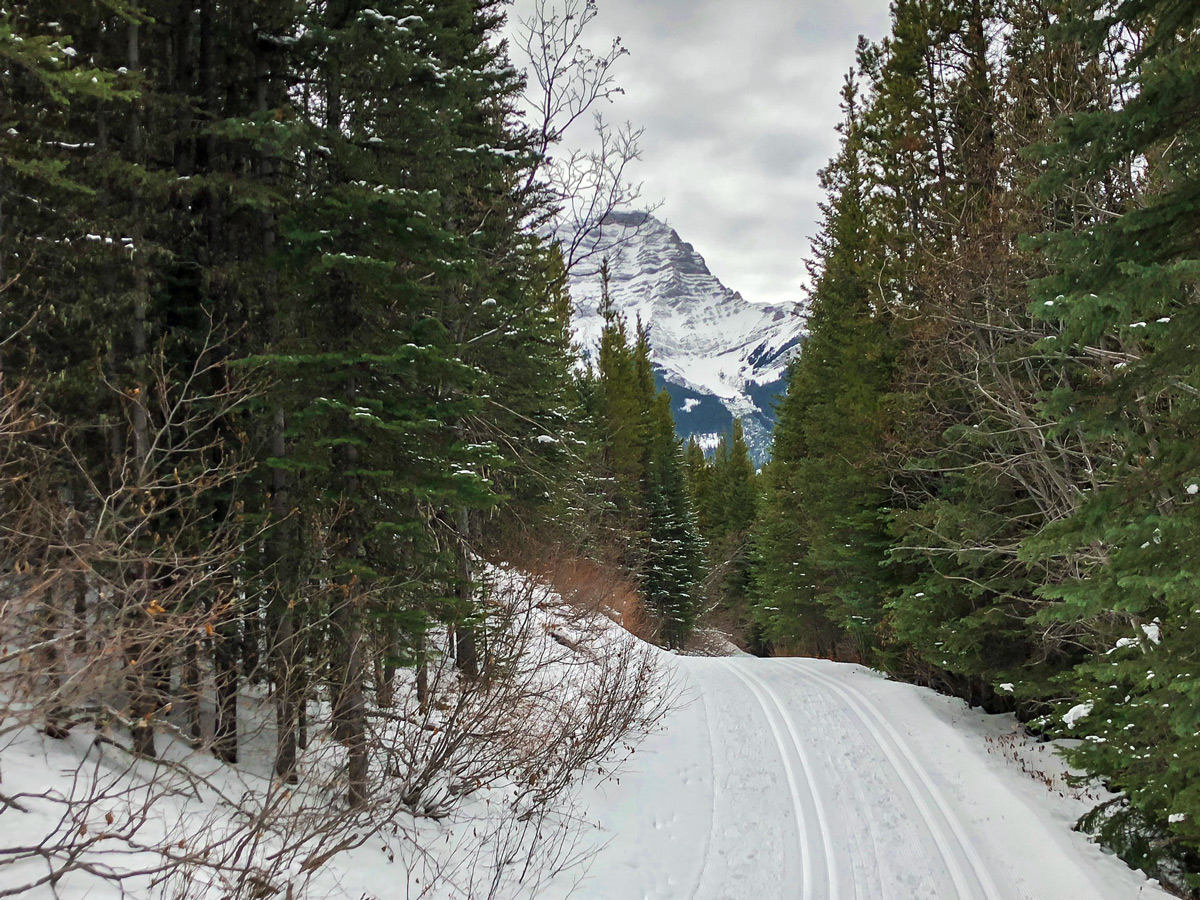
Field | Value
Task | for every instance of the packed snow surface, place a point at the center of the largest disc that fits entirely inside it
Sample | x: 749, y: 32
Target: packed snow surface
x: 790, y: 778
x: 771, y: 779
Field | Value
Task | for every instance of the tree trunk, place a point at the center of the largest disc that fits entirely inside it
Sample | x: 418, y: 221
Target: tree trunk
x: 281, y: 610
x: 385, y: 667
x: 348, y: 676
x: 286, y: 712
x: 466, y: 651
x: 138, y: 677
x: 79, y: 590
x: 191, y: 690
x: 422, y: 677
x: 140, y: 622
x: 50, y: 659
x: 227, y: 674
x: 301, y: 717
x: 354, y: 703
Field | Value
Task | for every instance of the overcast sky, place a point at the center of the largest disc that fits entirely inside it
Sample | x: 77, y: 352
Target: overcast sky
x: 739, y: 99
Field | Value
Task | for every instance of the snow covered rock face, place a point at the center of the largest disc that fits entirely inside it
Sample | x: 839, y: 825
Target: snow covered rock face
x: 720, y: 356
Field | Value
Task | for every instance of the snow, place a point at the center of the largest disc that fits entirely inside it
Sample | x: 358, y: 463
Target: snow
x: 1153, y: 631
x: 1124, y: 642
x: 770, y: 779
x: 791, y: 778
x: 704, y: 336
x: 193, y: 809
x: 1075, y: 713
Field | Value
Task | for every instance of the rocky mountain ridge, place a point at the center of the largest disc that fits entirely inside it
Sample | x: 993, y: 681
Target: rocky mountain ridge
x: 719, y: 355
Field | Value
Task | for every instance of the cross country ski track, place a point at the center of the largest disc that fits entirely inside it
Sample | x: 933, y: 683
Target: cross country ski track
x: 966, y: 870
x: 798, y: 779
x: 807, y: 805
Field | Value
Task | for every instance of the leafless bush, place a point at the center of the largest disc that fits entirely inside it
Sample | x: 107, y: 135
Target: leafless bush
x: 591, y: 585
x: 116, y: 588
x: 113, y: 616
x: 543, y: 710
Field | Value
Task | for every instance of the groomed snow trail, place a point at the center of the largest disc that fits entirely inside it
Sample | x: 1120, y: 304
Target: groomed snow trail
x: 798, y: 778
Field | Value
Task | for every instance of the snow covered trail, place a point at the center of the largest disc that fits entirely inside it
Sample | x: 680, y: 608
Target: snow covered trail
x: 800, y: 778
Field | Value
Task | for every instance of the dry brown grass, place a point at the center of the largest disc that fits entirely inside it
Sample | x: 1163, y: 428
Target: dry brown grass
x: 590, y: 585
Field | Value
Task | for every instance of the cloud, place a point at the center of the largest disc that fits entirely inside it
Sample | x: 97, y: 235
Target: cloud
x: 739, y: 102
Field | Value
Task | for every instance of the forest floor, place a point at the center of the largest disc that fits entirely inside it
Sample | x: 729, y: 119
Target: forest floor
x: 804, y: 778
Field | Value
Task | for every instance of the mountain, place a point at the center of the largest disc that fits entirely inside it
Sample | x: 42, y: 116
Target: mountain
x: 719, y: 355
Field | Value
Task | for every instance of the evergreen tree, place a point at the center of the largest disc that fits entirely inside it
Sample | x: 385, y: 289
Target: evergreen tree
x: 699, y: 473
x: 977, y: 490
x: 966, y: 397
x: 725, y: 494
x: 672, y: 568
x: 740, y: 498
x: 644, y: 462
x: 327, y: 199
x: 1123, y: 291
x: 818, y: 579
x: 622, y: 409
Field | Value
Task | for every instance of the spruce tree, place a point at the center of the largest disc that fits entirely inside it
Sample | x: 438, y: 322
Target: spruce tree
x: 822, y: 520
x: 673, y: 555
x: 647, y: 488
x: 622, y: 410
x: 1124, y: 292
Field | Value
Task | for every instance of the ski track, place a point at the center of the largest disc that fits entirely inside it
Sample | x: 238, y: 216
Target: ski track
x: 954, y: 850
x: 789, y: 769
x: 711, y: 840
x: 880, y: 802
x: 806, y: 848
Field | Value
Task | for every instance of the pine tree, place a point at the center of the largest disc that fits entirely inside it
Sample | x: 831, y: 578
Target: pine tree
x: 622, y: 410
x: 725, y: 495
x: 822, y: 518
x: 740, y: 497
x: 647, y: 489
x: 1123, y: 292
x: 699, y: 474
x: 328, y: 199
x: 673, y: 557
x: 966, y: 399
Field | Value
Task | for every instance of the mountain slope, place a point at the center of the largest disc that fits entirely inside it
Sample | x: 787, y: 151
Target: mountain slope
x: 719, y: 355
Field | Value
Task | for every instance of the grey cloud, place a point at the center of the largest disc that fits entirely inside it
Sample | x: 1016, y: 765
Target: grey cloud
x: 739, y: 101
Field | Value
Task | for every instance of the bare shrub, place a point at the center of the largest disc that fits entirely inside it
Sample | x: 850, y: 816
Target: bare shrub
x: 590, y: 584
x: 470, y: 784
x: 542, y: 711
x: 111, y: 628
x: 116, y: 590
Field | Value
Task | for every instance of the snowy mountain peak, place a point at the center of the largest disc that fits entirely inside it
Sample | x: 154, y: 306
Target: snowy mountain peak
x: 718, y: 354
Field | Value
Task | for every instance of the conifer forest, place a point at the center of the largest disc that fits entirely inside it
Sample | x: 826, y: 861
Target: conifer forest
x: 296, y: 435
x: 986, y: 472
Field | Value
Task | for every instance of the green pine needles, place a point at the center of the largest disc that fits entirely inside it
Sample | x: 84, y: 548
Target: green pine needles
x: 986, y: 472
